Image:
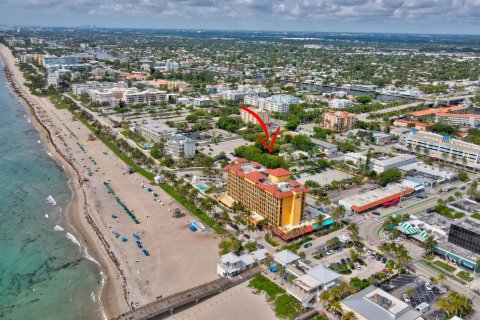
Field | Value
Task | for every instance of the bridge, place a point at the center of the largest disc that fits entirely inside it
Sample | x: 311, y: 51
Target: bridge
x: 164, y: 306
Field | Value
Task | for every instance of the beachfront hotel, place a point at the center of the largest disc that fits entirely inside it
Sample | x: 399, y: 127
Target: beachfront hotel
x: 268, y: 193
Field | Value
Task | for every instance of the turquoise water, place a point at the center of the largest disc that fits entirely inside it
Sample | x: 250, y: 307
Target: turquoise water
x: 201, y: 187
x: 43, y: 271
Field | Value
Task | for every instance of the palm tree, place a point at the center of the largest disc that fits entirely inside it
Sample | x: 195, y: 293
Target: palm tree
x: 335, y: 307
x: 350, y: 315
x: 429, y: 244
x: 458, y: 194
x: 410, y: 292
x: 441, y: 277
x: 354, y: 232
x: 325, y: 297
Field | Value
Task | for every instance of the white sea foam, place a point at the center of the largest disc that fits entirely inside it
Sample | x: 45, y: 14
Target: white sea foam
x: 51, y: 201
x: 58, y: 228
x: 89, y: 257
x: 92, y: 296
x: 38, y: 141
x: 49, y: 154
x: 72, y: 238
x: 46, y: 215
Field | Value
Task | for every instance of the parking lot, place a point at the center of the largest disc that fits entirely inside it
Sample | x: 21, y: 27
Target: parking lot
x: 402, y: 283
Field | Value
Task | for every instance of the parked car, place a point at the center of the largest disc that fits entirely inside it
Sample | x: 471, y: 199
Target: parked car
x: 330, y: 252
x: 423, y: 307
x: 376, y: 213
x: 307, y: 245
x: 260, y: 246
x: 357, y: 266
x: 246, y: 236
x: 378, y: 258
x: 428, y: 286
x: 406, y: 298
x: 438, y: 290
x: 343, y: 261
x: 384, y: 260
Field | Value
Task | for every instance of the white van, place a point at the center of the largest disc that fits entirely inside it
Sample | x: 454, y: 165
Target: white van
x: 423, y: 307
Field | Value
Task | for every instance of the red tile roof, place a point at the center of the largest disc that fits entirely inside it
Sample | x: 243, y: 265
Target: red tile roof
x: 279, y: 172
x: 434, y: 111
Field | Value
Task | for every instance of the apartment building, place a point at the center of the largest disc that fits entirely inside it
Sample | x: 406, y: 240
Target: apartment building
x: 461, y: 119
x: 133, y: 96
x: 155, y: 132
x: 456, y: 151
x: 430, y: 113
x: 339, y: 103
x: 80, y: 88
x: 248, y: 118
x: 421, y: 126
x: 285, y: 98
x: 266, y: 104
x: 202, y: 102
x: 179, y: 146
x: 267, y: 192
x: 243, y: 91
x: 339, y: 120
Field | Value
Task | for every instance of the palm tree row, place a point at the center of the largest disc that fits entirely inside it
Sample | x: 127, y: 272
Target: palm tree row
x: 397, y: 252
x: 454, y: 304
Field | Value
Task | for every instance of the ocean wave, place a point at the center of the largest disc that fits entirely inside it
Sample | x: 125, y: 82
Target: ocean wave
x: 49, y: 154
x: 92, y: 296
x: 89, y: 257
x: 46, y: 215
x: 51, y: 201
x: 58, y: 228
x: 72, y: 238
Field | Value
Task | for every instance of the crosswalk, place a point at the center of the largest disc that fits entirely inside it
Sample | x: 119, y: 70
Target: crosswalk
x: 378, y: 242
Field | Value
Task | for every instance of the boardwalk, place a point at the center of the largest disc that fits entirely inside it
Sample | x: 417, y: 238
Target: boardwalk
x: 168, y: 304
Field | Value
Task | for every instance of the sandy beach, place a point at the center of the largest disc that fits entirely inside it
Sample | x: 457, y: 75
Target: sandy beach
x: 179, y: 258
x: 237, y: 303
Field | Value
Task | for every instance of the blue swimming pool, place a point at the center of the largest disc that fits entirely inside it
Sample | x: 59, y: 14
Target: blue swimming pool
x: 201, y: 187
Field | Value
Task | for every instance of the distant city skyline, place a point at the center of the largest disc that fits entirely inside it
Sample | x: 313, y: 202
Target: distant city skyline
x: 411, y: 16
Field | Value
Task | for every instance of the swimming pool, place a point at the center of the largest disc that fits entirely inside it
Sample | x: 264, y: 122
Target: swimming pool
x: 148, y: 145
x: 201, y: 187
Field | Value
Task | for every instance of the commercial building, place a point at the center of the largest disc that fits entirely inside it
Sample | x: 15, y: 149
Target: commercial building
x: 462, y: 120
x: 179, y: 146
x: 381, y: 164
x: 266, y: 104
x: 269, y: 193
x: 427, y: 175
x: 456, y: 254
x: 466, y: 234
x: 421, y: 126
x: 231, y: 265
x: 373, y: 303
x: 155, y: 132
x: 442, y: 147
x: 339, y: 120
x: 326, y: 147
x: 430, y: 113
x: 339, y: 103
x: 248, y: 118
x: 388, y: 195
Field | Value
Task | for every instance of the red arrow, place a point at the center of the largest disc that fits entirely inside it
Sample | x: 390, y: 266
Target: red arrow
x: 265, y: 129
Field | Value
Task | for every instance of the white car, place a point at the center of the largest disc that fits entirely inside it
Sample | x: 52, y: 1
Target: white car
x: 428, y: 286
x: 406, y: 298
x: 329, y: 253
x: 357, y: 266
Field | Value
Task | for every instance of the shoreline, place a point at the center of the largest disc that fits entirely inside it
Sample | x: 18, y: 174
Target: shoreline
x: 82, y: 225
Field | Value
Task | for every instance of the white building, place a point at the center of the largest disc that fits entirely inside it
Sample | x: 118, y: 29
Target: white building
x: 442, y: 147
x: 285, y: 98
x: 202, y: 102
x: 459, y: 119
x: 52, y: 79
x: 134, y: 96
x: 231, y: 265
x: 307, y: 287
x: 339, y: 103
x: 381, y: 164
x: 155, y: 132
x: 172, y: 65
x: 179, y: 146
x: 80, y: 88
x: 266, y: 103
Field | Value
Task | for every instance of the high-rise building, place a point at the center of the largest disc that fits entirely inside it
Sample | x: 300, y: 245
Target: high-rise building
x: 179, y: 146
x: 466, y: 234
x: 339, y: 120
x: 268, y: 192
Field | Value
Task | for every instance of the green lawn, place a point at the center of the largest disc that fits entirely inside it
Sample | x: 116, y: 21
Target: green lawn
x: 262, y: 283
x: 464, y: 276
x: 287, y: 307
x: 445, y: 266
x: 476, y: 215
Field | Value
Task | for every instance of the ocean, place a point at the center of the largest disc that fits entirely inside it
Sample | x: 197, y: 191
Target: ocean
x: 44, y: 272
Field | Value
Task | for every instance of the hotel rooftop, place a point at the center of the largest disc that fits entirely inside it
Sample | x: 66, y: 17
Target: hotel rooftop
x: 274, y: 181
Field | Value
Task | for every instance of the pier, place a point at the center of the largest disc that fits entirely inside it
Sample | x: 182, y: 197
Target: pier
x: 166, y: 306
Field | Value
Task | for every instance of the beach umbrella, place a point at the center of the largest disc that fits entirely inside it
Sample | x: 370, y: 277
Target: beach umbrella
x: 124, y: 239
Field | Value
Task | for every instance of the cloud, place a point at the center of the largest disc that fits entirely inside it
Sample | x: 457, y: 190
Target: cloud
x: 274, y: 11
